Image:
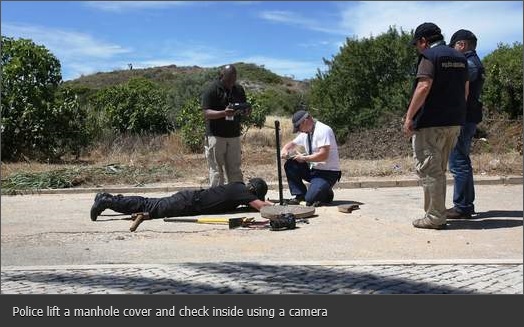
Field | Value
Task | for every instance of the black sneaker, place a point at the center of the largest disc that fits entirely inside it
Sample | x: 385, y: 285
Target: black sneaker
x: 101, y: 201
x: 452, y: 213
x: 314, y: 204
x: 330, y: 197
x: 295, y: 201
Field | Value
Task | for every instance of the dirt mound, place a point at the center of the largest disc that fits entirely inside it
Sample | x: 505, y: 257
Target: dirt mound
x: 387, y: 141
x: 495, y: 134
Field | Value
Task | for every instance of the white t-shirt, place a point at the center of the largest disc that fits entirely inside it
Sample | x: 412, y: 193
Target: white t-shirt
x: 322, y: 135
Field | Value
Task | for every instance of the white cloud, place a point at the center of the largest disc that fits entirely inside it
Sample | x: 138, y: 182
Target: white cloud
x: 285, y: 67
x: 79, y: 53
x: 126, y: 6
x: 64, y: 44
x: 188, y: 54
x: 292, y: 18
x: 205, y: 56
x: 491, y: 21
x: 121, y: 6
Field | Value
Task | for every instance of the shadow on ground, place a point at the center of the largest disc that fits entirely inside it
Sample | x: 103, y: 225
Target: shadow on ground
x: 232, y: 278
x: 488, y: 220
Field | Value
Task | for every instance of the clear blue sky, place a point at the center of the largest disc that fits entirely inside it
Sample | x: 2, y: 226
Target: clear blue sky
x: 288, y: 37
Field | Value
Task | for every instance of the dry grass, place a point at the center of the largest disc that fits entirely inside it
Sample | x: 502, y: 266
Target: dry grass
x: 133, y: 160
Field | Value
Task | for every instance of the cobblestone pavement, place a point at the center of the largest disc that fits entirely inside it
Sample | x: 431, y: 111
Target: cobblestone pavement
x: 255, y: 278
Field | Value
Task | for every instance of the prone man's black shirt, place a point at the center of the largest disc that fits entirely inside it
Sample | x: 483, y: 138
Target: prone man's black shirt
x: 216, y: 97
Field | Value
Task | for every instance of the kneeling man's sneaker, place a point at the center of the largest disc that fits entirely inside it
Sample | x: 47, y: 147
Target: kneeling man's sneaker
x: 314, y: 204
x: 452, y: 213
x: 427, y: 223
x: 295, y: 201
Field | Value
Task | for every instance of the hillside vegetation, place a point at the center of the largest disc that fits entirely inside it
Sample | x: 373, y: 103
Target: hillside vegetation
x: 140, y: 126
x: 185, y: 82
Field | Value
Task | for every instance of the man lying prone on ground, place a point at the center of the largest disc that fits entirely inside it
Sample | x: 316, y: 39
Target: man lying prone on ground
x: 214, y: 200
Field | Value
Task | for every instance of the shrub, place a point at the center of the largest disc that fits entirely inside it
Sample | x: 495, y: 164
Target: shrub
x: 39, y: 121
x: 503, y: 87
x: 367, y: 79
x: 138, y: 106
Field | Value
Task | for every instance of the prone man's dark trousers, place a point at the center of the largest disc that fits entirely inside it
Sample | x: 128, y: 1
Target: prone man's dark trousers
x: 178, y: 204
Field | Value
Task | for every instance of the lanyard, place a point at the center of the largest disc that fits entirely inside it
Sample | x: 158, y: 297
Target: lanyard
x: 309, y: 136
x: 309, y: 139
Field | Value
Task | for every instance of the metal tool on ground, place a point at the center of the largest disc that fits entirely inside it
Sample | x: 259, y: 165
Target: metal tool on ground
x: 282, y: 222
x: 137, y: 220
x: 348, y: 208
x: 231, y: 222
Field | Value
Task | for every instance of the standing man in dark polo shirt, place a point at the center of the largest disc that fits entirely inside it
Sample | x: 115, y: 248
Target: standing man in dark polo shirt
x: 222, y: 143
x: 459, y: 161
x: 435, y: 114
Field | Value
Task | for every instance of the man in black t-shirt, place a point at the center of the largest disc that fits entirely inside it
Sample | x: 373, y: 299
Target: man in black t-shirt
x: 218, y: 199
x: 435, y: 114
x: 459, y: 160
x: 222, y: 142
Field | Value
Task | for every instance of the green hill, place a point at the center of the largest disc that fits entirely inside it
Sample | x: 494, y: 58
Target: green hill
x: 280, y: 94
x: 253, y: 77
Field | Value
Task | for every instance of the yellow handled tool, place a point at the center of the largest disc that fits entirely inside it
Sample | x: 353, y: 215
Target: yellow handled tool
x: 231, y: 222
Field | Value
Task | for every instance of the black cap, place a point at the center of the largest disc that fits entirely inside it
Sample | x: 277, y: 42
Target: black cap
x: 425, y: 30
x: 298, y: 118
x: 461, y: 35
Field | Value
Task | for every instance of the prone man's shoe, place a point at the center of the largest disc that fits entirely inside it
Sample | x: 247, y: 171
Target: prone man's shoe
x: 452, y: 213
x: 427, y: 224
x: 101, y: 203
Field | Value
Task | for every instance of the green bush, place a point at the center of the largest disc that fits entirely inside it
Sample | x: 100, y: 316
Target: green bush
x: 186, y: 87
x: 279, y: 102
x: 138, y: 106
x: 368, y: 79
x: 257, y: 118
x: 39, y: 121
x: 190, y: 121
x: 503, y: 86
x: 73, y: 133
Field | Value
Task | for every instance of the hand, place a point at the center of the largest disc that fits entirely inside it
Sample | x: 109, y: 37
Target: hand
x: 408, y: 128
x: 300, y: 158
x: 229, y: 112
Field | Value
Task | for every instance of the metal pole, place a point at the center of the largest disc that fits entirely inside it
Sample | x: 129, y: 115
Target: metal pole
x: 280, y: 187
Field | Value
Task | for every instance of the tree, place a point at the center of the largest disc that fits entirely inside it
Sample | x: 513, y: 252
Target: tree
x: 33, y: 124
x: 369, y: 79
x: 503, y: 86
x: 134, y: 107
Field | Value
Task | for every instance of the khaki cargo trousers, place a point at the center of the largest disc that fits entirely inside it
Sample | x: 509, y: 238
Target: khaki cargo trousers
x: 431, y: 149
x: 224, y: 160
